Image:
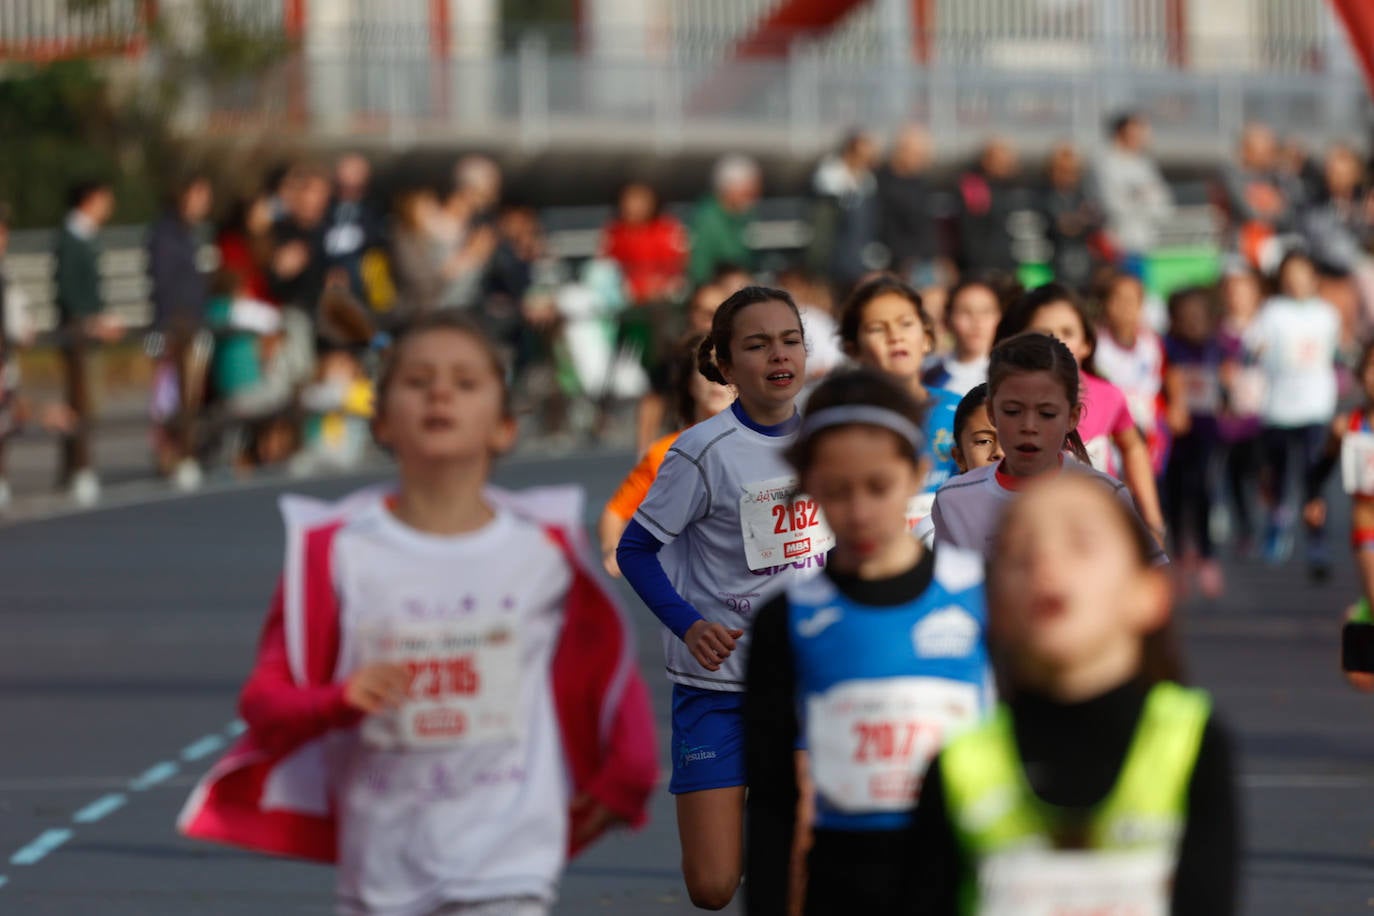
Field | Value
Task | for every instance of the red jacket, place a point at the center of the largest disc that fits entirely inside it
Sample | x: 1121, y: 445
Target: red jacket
x: 652, y: 256
x: 269, y: 791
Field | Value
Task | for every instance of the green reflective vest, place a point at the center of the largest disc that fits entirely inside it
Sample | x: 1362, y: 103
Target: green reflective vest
x: 1026, y: 856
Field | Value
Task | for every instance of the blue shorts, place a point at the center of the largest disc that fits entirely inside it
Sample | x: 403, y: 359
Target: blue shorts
x: 708, y: 740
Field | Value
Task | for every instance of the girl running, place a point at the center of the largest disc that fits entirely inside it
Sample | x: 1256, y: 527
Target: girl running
x: 1034, y: 402
x: 1193, y: 385
x: 1101, y: 786
x: 1106, y: 421
x: 1243, y: 388
x: 869, y: 665
x: 975, y: 445
x: 971, y: 318
x: 725, y: 519
x: 1296, y: 337
x: 884, y: 326
x: 1131, y: 356
x: 439, y: 668
x: 697, y: 399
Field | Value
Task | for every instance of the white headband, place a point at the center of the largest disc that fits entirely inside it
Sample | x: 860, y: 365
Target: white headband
x: 867, y: 414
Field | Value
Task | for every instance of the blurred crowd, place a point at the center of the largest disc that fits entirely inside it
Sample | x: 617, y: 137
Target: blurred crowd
x: 266, y: 322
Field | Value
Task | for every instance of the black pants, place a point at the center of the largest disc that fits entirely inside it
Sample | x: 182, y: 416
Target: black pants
x: 1282, y: 444
x: 849, y: 873
x: 1188, y: 491
x: 1244, y: 459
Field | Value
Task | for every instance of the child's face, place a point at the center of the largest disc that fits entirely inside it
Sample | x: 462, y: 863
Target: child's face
x: 863, y: 484
x: 702, y: 310
x: 1033, y: 417
x: 444, y: 403
x: 1192, y: 321
x: 1123, y: 308
x: 1059, y: 319
x: 977, y: 446
x: 709, y: 398
x: 973, y: 321
x: 892, y: 338
x: 767, y: 356
x: 1240, y: 297
x: 1299, y: 280
x: 1068, y: 588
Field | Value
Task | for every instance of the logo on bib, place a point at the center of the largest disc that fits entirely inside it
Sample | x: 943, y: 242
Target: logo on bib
x: 947, y: 633
x: 817, y: 623
x: 796, y: 548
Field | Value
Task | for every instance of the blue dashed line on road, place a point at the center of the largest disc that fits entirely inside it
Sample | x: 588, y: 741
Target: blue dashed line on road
x: 202, y: 748
x: 158, y: 772
x: 236, y: 728
x: 102, y: 807
x: 46, y: 842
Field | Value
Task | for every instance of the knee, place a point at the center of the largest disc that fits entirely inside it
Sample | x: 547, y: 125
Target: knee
x: 710, y: 891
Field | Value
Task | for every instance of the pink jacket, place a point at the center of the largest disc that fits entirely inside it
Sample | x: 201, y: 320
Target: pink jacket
x: 270, y: 790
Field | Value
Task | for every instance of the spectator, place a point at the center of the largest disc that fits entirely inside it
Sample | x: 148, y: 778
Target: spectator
x: 846, y: 216
x: 353, y: 226
x: 1134, y: 198
x: 1336, y: 226
x: 297, y: 269
x: 16, y: 331
x: 718, y: 226
x: 989, y: 194
x: 906, y: 207
x: 83, y: 321
x: 1261, y: 201
x: 650, y: 246
x: 245, y: 245
x: 178, y: 291
x: 417, y: 253
x: 1073, y: 219
x: 466, y: 231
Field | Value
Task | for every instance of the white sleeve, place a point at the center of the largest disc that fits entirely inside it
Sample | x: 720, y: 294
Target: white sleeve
x: 680, y: 495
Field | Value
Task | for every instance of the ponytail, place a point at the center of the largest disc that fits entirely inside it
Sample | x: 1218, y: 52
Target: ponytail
x: 706, y: 362
x: 1075, y: 445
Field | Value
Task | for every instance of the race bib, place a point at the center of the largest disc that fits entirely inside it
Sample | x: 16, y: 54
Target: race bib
x: 342, y: 240
x: 919, y: 509
x: 1248, y: 390
x: 1100, y: 453
x: 464, y: 683
x: 1076, y: 883
x: 1357, y: 463
x: 1305, y: 353
x: 1201, y: 390
x: 780, y: 525
x: 871, y: 741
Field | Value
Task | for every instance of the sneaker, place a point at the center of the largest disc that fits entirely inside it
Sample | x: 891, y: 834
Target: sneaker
x: 1318, y: 564
x: 85, y: 488
x: 187, y: 476
x: 1210, y: 579
x: 1278, y: 545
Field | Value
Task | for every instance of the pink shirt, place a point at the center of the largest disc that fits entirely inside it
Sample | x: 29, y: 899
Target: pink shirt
x: 1105, y: 414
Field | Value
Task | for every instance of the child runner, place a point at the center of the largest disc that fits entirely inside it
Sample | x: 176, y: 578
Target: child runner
x: 732, y: 533
x: 884, y: 326
x: 971, y: 317
x: 870, y: 664
x: 1131, y: 356
x: 445, y: 701
x: 1243, y: 387
x: 1296, y: 337
x: 1106, y: 420
x: 1034, y: 403
x: 1101, y: 786
x: 1193, y: 385
x: 975, y: 445
x: 696, y: 400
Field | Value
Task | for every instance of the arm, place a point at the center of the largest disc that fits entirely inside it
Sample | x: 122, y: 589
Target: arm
x: 610, y: 528
x: 1176, y: 397
x: 937, y: 861
x: 770, y: 740
x: 638, y: 558
x: 1314, y: 510
x: 626, y: 780
x: 1209, y: 855
x: 1139, y: 477
x: 623, y: 504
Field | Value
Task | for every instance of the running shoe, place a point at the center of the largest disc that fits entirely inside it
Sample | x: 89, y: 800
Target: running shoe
x: 85, y: 488
x: 1318, y: 563
x: 1278, y: 545
x: 1210, y: 580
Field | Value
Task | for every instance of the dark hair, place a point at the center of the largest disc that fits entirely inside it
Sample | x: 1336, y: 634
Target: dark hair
x: 682, y: 365
x: 963, y: 286
x: 1180, y: 296
x: 657, y: 208
x: 1106, y: 282
x: 1122, y: 120
x: 82, y: 191
x: 1161, y: 656
x: 976, y: 397
x: 714, y: 350
x: 1294, y: 255
x: 1017, y: 318
x: 1035, y: 352
x: 442, y: 320
x: 852, y: 316
x: 865, y: 386
x: 181, y: 185
x: 725, y: 269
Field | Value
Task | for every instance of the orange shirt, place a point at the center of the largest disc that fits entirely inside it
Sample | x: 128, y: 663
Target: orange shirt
x: 636, y: 484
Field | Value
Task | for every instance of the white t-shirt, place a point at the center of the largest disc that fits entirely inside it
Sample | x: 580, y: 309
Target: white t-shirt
x: 823, y: 351
x: 720, y: 504
x: 1138, y: 371
x: 1296, y: 343
x: 434, y: 821
x: 961, y: 377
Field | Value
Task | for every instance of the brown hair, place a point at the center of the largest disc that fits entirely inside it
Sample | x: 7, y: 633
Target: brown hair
x: 856, y: 386
x: 714, y: 350
x: 963, y: 286
x: 682, y: 366
x: 852, y: 316
x: 442, y: 320
x: 1017, y: 318
x: 1032, y: 351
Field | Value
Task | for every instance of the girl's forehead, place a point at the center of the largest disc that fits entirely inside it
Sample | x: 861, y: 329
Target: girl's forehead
x: 771, y: 317
x: 1055, y: 313
x: 887, y: 304
x: 1036, y: 384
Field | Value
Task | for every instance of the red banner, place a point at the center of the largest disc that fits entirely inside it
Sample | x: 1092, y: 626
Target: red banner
x: 1358, y: 16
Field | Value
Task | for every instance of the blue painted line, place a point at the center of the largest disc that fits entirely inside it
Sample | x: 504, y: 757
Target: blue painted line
x: 103, y: 806
x: 202, y: 748
x: 46, y: 842
x: 236, y: 728
x: 158, y: 772
x: 4, y: 880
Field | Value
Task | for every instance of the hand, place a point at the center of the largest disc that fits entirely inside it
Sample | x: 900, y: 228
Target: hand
x: 105, y: 327
x: 1314, y: 513
x: 377, y: 687
x: 290, y: 259
x: 57, y: 418
x: 592, y: 819
x: 609, y: 561
x: 1362, y: 681
x: 711, y: 643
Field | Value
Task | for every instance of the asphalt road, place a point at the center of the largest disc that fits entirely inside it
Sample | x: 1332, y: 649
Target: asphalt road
x: 125, y: 634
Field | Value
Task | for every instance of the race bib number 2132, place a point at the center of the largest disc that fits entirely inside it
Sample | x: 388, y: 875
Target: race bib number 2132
x: 780, y: 525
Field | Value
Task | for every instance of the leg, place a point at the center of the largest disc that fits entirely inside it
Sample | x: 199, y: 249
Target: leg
x: 1313, y: 440
x: 710, y: 826
x: 76, y: 453
x: 1276, y: 537
x: 1238, y: 472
